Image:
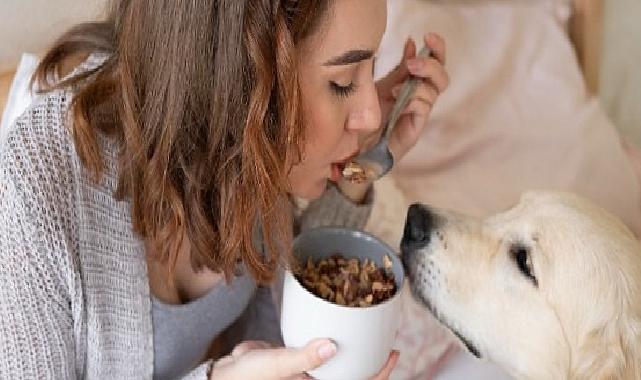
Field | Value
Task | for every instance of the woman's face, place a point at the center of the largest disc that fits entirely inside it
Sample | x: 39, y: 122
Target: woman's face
x: 338, y: 93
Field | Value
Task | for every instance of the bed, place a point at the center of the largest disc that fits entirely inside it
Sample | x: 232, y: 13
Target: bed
x: 520, y: 114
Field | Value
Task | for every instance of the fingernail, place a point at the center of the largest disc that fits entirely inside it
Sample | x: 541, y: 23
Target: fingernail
x: 408, y: 45
x: 327, y: 351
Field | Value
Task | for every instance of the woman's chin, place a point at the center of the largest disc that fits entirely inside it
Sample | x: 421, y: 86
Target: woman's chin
x: 312, y: 190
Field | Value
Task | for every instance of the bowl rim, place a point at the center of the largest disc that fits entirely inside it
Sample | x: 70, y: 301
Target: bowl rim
x: 358, y: 233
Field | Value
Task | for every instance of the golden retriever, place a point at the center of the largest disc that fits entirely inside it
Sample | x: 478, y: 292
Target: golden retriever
x: 550, y: 289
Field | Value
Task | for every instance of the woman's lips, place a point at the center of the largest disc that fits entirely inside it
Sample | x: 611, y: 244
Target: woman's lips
x: 337, y: 172
x: 347, y: 158
x: 338, y: 166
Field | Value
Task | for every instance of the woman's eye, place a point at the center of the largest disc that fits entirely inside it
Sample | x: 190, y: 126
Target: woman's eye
x: 342, y: 91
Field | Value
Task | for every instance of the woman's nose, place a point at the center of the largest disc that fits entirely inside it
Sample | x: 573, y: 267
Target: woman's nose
x: 366, y: 116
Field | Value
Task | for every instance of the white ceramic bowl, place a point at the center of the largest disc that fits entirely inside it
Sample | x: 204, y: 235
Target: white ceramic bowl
x: 364, y: 336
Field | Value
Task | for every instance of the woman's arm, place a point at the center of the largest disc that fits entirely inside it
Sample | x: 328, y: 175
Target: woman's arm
x: 334, y: 208
x: 36, y: 323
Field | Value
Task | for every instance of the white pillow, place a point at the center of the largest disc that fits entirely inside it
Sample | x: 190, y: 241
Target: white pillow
x: 19, y: 95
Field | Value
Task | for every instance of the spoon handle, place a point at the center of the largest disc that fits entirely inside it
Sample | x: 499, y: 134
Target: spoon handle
x: 404, y: 97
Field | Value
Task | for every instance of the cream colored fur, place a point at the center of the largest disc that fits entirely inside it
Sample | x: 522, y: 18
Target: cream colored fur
x: 581, y: 317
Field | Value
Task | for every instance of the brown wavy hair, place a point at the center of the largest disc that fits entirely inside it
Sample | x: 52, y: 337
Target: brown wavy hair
x: 203, y: 98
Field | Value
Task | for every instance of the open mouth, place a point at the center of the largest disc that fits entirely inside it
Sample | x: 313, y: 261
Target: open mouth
x: 337, y: 171
x: 338, y: 167
x: 470, y: 347
x: 410, y: 265
x: 466, y: 342
x: 345, y: 160
x: 439, y: 317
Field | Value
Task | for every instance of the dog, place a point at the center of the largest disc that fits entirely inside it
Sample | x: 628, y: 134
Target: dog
x: 549, y: 289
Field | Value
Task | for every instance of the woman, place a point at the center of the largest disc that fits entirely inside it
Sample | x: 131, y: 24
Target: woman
x: 160, y: 168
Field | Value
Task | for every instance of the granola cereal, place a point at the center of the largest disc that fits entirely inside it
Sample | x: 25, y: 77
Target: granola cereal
x: 354, y: 173
x: 349, y: 282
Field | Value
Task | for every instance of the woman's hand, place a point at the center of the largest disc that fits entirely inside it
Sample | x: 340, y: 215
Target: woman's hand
x: 258, y: 360
x: 414, y: 118
x: 435, y: 81
x: 386, y: 371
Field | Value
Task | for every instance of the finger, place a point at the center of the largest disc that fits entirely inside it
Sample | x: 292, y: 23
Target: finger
x: 283, y: 363
x: 385, y: 373
x: 249, y: 345
x: 224, y: 361
x: 409, y: 51
x: 400, y: 72
x: 302, y: 376
x: 425, y: 91
x: 431, y: 69
x: 417, y: 107
x: 437, y: 46
x: 223, y: 368
x: 295, y: 361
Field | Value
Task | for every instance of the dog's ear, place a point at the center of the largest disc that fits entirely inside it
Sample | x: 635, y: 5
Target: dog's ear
x: 612, y: 352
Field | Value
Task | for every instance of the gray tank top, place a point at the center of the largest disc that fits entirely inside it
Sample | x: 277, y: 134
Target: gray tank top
x: 183, y: 333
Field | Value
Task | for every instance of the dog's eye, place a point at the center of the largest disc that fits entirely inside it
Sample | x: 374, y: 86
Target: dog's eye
x: 522, y: 258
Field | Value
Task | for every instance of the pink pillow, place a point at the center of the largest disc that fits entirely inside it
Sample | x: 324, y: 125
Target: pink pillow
x: 516, y: 116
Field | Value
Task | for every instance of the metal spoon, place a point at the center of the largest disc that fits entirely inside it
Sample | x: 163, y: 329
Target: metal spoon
x: 378, y: 160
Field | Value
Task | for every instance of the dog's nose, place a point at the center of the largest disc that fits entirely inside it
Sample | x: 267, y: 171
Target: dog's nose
x: 418, y: 227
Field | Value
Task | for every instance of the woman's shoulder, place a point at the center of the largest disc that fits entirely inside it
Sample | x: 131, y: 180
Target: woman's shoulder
x: 38, y: 149
x: 37, y: 205
x: 40, y: 140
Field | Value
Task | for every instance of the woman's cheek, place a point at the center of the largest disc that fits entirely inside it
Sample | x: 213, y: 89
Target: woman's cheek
x: 333, y: 130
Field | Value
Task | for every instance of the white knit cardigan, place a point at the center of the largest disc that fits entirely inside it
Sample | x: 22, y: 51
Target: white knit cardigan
x: 74, y: 291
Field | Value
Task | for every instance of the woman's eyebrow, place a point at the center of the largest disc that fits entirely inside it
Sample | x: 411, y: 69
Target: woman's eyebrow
x: 349, y: 57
